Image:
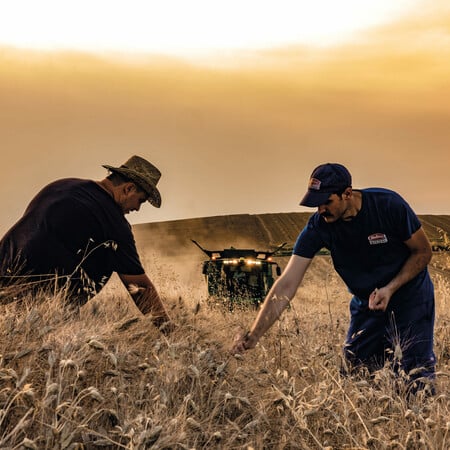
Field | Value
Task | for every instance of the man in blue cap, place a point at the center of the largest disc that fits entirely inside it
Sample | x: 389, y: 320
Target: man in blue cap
x: 380, y: 250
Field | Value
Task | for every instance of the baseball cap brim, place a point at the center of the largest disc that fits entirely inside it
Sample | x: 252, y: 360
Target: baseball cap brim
x: 314, y: 198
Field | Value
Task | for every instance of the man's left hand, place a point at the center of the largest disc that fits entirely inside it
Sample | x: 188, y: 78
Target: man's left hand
x: 379, y: 299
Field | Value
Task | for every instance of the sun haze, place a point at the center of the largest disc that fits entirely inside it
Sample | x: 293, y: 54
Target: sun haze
x: 180, y: 27
x: 238, y: 131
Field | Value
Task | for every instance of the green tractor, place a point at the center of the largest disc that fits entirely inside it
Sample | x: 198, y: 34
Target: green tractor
x: 239, y: 276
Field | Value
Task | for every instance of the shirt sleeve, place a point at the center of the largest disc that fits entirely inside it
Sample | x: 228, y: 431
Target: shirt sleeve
x: 404, y: 217
x: 309, y: 241
x: 127, y: 258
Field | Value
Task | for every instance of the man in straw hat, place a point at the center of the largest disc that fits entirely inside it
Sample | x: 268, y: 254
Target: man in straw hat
x: 380, y: 250
x: 74, y: 232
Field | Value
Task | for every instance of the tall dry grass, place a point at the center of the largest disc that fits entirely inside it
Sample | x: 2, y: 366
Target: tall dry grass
x: 107, y: 379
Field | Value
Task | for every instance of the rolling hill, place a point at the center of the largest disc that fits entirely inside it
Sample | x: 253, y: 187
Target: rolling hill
x: 259, y: 231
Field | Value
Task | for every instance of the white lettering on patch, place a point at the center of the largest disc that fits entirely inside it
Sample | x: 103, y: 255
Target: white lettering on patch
x: 377, y: 238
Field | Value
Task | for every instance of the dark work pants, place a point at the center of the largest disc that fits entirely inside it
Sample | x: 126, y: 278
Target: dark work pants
x: 403, y: 334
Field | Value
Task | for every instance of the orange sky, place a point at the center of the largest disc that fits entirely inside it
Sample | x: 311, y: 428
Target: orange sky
x: 241, y: 132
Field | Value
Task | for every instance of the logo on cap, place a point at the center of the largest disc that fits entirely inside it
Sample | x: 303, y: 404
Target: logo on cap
x: 314, y: 183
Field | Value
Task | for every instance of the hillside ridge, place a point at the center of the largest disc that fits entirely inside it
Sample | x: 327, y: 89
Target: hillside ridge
x: 262, y: 231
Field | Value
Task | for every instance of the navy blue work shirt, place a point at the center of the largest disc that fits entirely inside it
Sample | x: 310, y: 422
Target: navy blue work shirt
x: 369, y: 250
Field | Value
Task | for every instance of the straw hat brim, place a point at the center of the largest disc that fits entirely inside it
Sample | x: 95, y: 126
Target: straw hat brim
x: 154, y: 196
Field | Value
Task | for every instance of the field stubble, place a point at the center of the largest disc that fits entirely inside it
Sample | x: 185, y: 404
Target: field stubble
x: 108, y: 379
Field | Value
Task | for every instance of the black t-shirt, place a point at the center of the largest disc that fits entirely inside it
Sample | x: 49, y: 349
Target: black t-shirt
x: 72, y: 228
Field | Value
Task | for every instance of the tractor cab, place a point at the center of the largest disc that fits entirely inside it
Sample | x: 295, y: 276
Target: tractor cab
x: 239, y: 275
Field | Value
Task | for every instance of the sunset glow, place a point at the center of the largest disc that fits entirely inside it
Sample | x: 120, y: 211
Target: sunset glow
x: 180, y: 27
x: 234, y: 102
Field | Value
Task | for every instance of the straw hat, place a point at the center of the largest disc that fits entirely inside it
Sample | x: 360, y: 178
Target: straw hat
x: 144, y: 174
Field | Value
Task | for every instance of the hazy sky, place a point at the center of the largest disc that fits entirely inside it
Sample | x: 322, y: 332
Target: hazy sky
x: 235, y: 104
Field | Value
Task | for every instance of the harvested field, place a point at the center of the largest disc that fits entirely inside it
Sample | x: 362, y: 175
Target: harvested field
x: 108, y: 379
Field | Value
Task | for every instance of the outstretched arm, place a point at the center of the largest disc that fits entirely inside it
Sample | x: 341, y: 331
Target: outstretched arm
x: 274, y: 304
x: 420, y: 256
x: 147, y: 299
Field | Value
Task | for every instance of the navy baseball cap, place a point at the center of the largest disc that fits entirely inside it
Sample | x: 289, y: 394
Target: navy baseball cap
x: 325, y: 180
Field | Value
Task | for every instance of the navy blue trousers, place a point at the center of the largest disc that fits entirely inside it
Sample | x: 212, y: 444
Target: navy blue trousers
x: 403, y: 334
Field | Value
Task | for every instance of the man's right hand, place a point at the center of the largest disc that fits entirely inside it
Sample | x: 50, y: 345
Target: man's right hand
x: 242, y: 342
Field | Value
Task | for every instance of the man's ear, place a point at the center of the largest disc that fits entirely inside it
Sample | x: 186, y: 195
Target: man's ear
x: 348, y: 192
x: 128, y: 187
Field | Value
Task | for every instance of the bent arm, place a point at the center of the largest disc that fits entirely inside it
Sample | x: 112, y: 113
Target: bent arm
x: 146, y: 297
x: 276, y: 300
x: 419, y: 258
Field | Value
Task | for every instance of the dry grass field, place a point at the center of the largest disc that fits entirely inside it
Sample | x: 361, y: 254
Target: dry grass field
x: 107, y: 379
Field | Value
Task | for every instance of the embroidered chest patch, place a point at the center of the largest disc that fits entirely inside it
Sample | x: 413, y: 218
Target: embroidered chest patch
x: 377, y: 238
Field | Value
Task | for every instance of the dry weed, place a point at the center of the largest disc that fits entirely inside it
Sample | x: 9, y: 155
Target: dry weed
x: 107, y: 379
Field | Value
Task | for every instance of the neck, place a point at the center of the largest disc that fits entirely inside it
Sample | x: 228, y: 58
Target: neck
x: 106, y: 185
x: 354, y: 206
